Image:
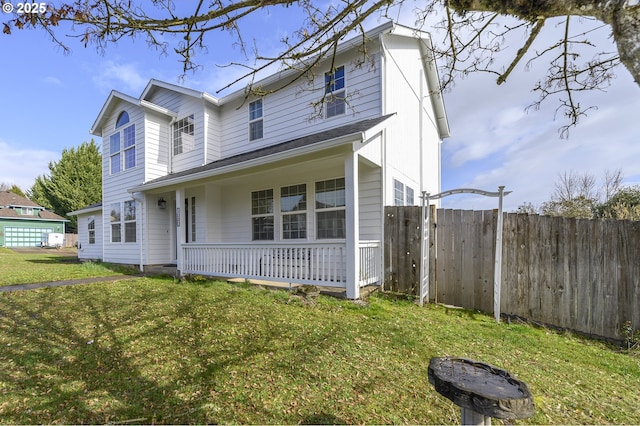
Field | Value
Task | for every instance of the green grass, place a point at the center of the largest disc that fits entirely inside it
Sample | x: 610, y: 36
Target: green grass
x: 51, y: 265
x: 157, y: 351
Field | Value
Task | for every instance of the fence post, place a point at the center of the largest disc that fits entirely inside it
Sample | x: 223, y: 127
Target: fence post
x: 424, y: 248
x: 497, y: 268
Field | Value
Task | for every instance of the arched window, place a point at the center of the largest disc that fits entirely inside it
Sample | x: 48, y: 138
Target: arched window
x: 123, y: 119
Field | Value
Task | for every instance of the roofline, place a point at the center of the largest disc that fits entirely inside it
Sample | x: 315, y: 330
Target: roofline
x: 36, y: 206
x: 85, y: 210
x: 97, y: 124
x: 329, y: 143
x: 38, y: 219
x: 435, y: 90
x: 113, y: 94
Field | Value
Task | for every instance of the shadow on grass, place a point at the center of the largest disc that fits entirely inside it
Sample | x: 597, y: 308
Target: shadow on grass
x: 100, y: 356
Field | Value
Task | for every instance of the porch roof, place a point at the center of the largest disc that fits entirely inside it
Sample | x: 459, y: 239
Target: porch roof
x: 340, y: 135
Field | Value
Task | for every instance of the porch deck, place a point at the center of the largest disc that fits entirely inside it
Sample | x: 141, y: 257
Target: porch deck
x: 321, y: 264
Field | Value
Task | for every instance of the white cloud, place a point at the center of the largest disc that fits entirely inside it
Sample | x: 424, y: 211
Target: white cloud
x: 21, y: 166
x: 125, y: 77
x: 53, y: 81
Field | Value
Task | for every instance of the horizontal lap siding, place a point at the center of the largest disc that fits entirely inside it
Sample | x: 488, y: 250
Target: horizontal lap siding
x: 89, y: 251
x: 288, y: 112
x: 370, y: 203
x: 158, y: 143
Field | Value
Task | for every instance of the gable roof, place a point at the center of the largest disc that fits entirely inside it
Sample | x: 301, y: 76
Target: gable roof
x: 113, y: 98
x: 361, y: 130
x: 10, y: 201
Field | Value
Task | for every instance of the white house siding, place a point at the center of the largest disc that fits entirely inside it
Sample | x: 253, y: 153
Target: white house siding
x: 158, y: 144
x: 114, y: 186
x: 183, y: 105
x: 213, y: 135
x: 88, y: 251
x: 405, y: 84
x: 370, y: 195
x: 160, y: 231
x: 288, y: 114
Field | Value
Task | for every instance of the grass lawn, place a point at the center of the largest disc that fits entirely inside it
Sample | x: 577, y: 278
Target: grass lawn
x: 152, y: 350
x: 44, y: 265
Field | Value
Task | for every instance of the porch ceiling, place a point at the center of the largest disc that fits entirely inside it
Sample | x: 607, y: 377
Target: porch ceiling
x: 315, y: 142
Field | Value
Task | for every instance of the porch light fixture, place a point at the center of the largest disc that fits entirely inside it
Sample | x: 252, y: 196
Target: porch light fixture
x: 162, y: 204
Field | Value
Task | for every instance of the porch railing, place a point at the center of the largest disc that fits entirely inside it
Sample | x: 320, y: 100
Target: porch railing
x: 306, y: 263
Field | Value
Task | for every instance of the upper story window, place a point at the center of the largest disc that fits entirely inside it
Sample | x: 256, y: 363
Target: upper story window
x: 402, y: 194
x: 119, y: 150
x: 183, y: 135
x: 123, y: 119
x: 335, y: 92
x: 255, y: 120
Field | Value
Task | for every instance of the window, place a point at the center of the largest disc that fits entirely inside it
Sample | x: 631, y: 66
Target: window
x: 409, y: 201
x: 334, y: 83
x: 398, y: 193
x: 330, y: 209
x: 117, y: 150
x: 116, y: 225
x: 130, y: 221
x: 255, y: 120
x: 293, y: 206
x: 114, y: 150
x: 91, y: 227
x: 402, y: 194
x: 262, y: 215
x: 129, y: 147
x: 183, y: 135
x: 123, y: 119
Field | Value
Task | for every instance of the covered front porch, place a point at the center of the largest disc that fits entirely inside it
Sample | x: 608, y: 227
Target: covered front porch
x: 309, y: 219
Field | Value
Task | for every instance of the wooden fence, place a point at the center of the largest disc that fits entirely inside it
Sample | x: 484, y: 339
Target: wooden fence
x: 578, y: 274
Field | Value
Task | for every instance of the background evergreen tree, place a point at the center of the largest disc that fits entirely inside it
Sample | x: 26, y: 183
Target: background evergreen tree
x: 73, y: 182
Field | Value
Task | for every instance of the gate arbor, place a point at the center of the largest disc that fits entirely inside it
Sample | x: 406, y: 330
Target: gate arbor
x: 424, y: 252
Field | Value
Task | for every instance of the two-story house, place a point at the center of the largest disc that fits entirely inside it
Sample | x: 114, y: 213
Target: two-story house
x: 281, y: 187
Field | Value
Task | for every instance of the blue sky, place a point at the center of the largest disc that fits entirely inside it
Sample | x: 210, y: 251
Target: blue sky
x: 49, y: 100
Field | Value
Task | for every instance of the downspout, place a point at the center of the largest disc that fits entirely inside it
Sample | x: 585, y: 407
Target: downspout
x: 383, y: 158
x: 420, y: 132
x: 173, y: 120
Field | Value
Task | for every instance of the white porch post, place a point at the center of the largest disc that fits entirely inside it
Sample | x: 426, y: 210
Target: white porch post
x: 352, y: 213
x: 180, y: 224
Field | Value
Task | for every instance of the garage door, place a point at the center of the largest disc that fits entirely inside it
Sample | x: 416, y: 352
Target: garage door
x: 25, y: 237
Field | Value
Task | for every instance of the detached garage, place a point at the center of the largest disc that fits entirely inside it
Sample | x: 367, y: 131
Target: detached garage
x: 24, y: 223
